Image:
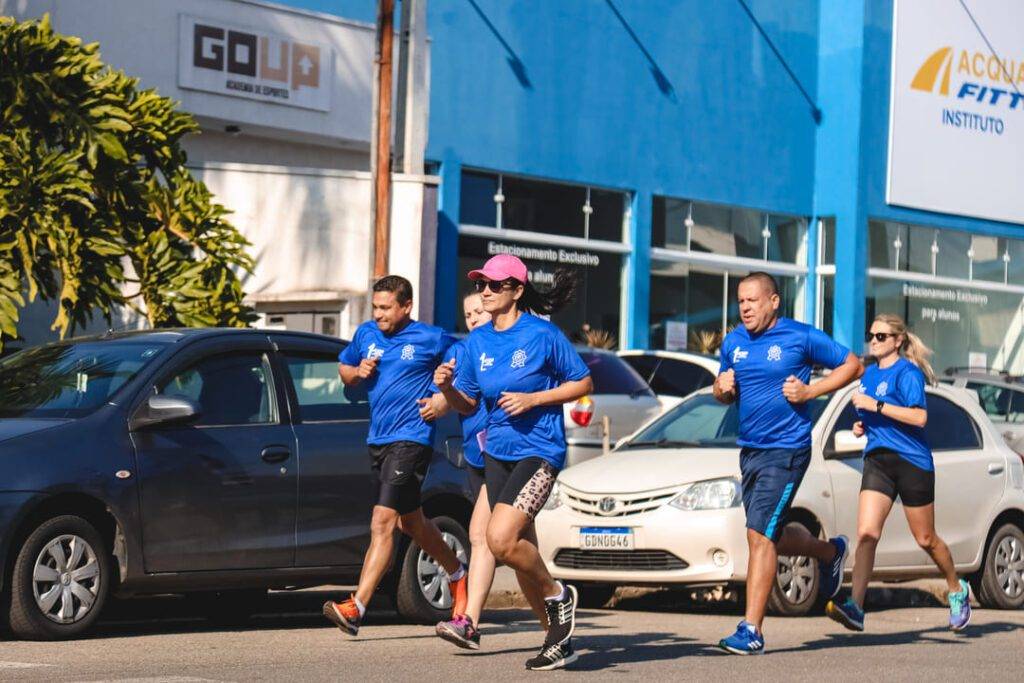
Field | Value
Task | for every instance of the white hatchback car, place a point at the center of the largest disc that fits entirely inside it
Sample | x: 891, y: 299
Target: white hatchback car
x: 664, y: 508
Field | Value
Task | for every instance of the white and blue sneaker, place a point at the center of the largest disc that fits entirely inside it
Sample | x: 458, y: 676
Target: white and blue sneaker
x: 960, y: 607
x: 849, y: 614
x: 831, y: 573
x: 746, y: 641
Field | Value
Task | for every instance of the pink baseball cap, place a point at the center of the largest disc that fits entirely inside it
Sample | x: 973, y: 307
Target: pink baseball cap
x: 501, y: 267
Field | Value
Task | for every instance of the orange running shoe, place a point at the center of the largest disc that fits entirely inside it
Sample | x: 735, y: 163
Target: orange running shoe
x: 344, y: 615
x: 460, y: 594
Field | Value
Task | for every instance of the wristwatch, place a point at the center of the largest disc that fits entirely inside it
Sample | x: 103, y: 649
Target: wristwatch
x: 878, y: 406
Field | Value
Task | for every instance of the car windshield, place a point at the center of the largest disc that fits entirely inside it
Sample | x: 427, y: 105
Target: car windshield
x: 701, y: 421
x: 68, y: 380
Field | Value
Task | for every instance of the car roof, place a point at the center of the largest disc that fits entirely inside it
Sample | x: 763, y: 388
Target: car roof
x: 179, y: 334
x: 706, y: 361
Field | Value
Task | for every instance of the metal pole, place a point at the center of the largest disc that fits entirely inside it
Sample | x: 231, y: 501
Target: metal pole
x: 382, y: 137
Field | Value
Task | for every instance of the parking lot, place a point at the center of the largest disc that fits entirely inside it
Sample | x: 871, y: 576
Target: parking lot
x: 654, y: 636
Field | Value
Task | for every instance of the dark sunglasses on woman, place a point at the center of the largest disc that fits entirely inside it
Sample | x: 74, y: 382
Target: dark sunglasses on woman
x: 878, y: 336
x: 494, y: 285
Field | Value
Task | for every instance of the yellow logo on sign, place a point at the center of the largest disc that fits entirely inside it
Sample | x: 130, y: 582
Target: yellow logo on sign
x: 928, y: 74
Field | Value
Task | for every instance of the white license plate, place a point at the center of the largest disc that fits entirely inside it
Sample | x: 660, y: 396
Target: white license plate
x: 606, y: 538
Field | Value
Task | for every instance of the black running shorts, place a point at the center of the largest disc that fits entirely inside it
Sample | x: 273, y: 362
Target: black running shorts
x: 888, y: 472
x: 524, y: 484
x: 400, y: 467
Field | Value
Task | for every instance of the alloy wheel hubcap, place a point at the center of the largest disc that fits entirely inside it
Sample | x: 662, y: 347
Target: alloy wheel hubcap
x: 795, y: 577
x: 66, y: 579
x: 432, y: 577
x: 1009, y: 566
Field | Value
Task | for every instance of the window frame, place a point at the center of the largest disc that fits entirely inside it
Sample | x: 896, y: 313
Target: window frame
x: 361, y: 411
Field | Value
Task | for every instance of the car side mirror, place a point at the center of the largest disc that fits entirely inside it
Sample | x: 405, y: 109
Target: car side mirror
x: 847, y: 444
x: 163, y: 410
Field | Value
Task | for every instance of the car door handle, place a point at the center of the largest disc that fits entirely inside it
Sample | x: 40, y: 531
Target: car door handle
x: 275, y: 454
x: 995, y: 468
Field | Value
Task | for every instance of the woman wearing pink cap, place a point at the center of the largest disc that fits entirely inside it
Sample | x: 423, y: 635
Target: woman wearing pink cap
x: 522, y: 368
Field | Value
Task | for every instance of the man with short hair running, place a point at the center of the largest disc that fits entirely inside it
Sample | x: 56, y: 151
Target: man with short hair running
x: 396, y: 356
x: 766, y: 366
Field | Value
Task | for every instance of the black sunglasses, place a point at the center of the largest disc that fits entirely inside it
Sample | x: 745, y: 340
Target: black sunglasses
x: 878, y: 336
x: 494, y: 285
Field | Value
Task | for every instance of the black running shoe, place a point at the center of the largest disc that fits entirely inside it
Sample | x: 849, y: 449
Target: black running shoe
x: 557, y: 649
x: 553, y: 657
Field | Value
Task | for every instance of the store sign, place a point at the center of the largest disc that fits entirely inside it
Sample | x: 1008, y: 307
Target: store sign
x: 956, y: 118
x: 228, y: 60
x: 563, y: 257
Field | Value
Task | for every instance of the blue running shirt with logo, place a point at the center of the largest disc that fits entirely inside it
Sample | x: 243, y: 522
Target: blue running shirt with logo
x: 761, y: 364
x: 900, y: 384
x: 405, y: 373
x: 533, y: 355
x: 473, y: 426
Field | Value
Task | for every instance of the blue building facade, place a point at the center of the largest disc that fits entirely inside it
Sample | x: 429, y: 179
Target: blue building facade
x: 667, y: 147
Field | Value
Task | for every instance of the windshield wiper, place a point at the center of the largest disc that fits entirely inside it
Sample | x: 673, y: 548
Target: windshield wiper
x: 663, y: 443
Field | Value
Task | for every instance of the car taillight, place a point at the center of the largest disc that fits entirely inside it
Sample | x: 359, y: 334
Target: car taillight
x: 583, y: 412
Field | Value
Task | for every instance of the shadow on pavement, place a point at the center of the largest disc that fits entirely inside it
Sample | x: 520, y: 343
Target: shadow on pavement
x: 928, y: 635
x: 604, y: 652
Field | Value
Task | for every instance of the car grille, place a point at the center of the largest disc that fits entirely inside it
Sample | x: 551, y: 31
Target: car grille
x: 634, y: 504
x: 635, y: 560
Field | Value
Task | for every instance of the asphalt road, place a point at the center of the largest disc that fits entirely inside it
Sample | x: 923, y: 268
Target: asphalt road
x: 657, y: 637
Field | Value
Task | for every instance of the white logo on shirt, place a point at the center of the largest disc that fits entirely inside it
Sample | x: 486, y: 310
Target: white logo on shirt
x: 408, y: 351
x: 485, y: 362
x: 739, y: 354
x: 882, y: 388
x: 373, y: 353
x: 519, y: 359
x: 774, y: 352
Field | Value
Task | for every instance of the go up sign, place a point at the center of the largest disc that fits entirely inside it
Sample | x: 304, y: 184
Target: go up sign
x: 239, y: 62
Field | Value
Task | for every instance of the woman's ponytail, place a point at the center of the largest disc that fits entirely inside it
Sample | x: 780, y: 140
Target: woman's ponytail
x: 558, y: 296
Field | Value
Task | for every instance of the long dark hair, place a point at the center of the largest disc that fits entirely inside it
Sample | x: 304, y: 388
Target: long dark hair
x: 555, y: 298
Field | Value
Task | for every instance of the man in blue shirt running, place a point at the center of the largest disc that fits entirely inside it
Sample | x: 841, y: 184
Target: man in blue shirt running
x: 395, y: 356
x: 766, y: 367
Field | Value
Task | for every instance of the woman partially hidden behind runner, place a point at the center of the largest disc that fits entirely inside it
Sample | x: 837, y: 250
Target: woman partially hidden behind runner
x: 523, y: 369
x: 463, y: 629
x: 897, y: 462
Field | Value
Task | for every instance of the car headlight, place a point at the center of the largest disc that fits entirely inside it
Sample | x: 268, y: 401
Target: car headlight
x: 554, y: 500
x: 714, y: 494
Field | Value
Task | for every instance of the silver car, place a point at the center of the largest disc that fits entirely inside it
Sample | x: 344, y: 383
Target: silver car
x: 1002, y: 398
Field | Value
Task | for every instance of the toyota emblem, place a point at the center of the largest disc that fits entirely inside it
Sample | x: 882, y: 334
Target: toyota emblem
x: 607, y: 505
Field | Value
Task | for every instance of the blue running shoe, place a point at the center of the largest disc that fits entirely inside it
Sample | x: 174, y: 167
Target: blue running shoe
x: 960, y: 608
x: 831, y: 573
x: 848, y: 614
x: 746, y: 641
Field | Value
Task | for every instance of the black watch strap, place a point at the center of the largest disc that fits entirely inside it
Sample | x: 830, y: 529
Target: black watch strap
x: 879, y: 405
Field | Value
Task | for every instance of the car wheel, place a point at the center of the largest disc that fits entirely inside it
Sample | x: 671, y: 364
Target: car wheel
x: 796, y: 584
x: 593, y: 595
x: 1000, y: 583
x: 60, y: 580
x: 422, y: 595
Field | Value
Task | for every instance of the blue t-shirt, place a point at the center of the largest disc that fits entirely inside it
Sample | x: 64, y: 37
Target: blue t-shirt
x: 532, y: 355
x: 404, y: 375
x: 761, y: 364
x: 473, y: 426
x: 900, y: 384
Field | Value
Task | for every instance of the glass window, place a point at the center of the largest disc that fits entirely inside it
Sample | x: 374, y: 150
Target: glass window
x: 1016, y: 264
x: 476, y: 199
x: 949, y: 427
x: 847, y: 416
x: 988, y: 257
x: 68, y: 380
x: 788, y: 241
x: 613, y: 376
x: 727, y: 231
x: 918, y: 245
x: 543, y: 207
x: 606, y: 218
x: 230, y: 389
x: 964, y: 327
x: 993, y: 399
x: 598, y: 298
x: 952, y: 259
x: 319, y: 392
x: 888, y: 243
x: 828, y: 241
x: 680, y: 378
x: 1015, y: 407
x: 828, y: 302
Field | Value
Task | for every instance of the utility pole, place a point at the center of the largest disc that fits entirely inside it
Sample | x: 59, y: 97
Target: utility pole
x: 380, y: 156
x: 413, y: 93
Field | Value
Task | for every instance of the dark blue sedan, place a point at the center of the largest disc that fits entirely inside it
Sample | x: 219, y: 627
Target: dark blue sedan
x: 214, y: 462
